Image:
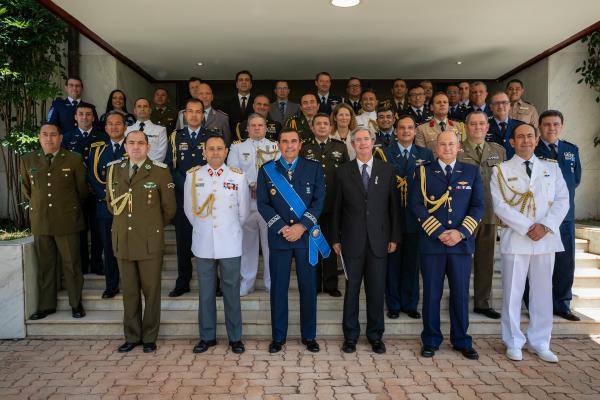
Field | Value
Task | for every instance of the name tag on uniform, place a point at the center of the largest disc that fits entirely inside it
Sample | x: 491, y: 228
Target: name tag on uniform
x: 493, y: 157
x: 246, y: 155
x: 183, y: 146
x: 66, y: 169
x: 150, y: 185
x: 230, y: 185
x: 512, y: 178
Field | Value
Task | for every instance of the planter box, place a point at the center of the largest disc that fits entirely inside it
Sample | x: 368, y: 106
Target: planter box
x: 18, y: 290
x: 590, y: 233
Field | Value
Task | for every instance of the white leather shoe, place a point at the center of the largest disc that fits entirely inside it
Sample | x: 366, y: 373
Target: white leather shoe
x: 245, y: 292
x: 545, y: 355
x: 514, y: 354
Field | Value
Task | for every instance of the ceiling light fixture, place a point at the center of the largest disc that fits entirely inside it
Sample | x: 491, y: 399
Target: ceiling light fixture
x: 459, y: 62
x: 200, y: 63
x: 345, y: 3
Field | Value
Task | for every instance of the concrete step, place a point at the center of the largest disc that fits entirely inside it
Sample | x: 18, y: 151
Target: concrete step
x: 582, y: 245
x: 258, y: 323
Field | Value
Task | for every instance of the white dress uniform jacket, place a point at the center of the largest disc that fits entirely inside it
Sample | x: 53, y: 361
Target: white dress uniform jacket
x: 368, y: 120
x: 243, y: 155
x: 551, y: 198
x: 157, y: 138
x: 217, y: 232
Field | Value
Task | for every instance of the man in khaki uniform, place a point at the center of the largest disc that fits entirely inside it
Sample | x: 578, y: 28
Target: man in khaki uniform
x: 475, y: 150
x: 53, y: 182
x: 519, y: 108
x: 162, y: 113
x: 428, y: 132
x: 141, y: 196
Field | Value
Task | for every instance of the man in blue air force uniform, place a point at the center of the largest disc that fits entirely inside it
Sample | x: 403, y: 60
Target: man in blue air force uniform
x: 290, y: 195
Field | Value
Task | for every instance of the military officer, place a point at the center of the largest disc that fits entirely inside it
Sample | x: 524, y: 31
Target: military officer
x: 62, y: 111
x: 500, y: 124
x: 448, y: 202
x: 552, y: 146
x: 141, y: 196
x: 111, y: 150
x: 402, y: 284
x: 249, y: 156
x: 353, y: 91
x: 184, y: 151
x: 399, y: 100
x: 260, y: 106
x: 300, y: 122
x: 327, y: 101
x: 81, y: 140
x: 519, y: 108
x: 217, y: 203
x: 427, y: 133
x: 476, y: 151
x: 330, y: 153
x: 416, y: 105
x: 385, y: 135
x: 368, y: 116
x: 162, y: 113
x: 290, y: 195
x: 53, y: 183
x: 531, y: 199
x: 477, y: 98
x: 464, y: 88
x: 456, y: 110
x: 157, y: 135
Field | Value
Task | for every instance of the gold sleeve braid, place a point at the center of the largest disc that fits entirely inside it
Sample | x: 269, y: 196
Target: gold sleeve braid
x: 174, y: 149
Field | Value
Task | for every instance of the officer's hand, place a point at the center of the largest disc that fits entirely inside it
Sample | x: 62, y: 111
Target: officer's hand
x: 451, y: 237
x: 536, y: 232
x: 294, y: 232
x: 337, y: 247
x: 391, y: 247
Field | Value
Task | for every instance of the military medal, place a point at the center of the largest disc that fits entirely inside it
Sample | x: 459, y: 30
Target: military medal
x: 273, y: 191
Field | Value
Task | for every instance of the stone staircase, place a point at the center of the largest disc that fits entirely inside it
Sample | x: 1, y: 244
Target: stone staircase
x: 179, y: 317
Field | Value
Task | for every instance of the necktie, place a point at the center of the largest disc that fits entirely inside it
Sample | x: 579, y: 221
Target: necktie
x: 75, y: 102
x: 527, y: 168
x: 479, y: 109
x: 194, y: 135
x: 503, y: 129
x: 117, y: 147
x: 405, y: 154
x: 290, y: 172
x: 365, y: 177
x: 355, y: 106
x: 478, y: 151
x: 142, y: 125
x: 442, y: 126
x: 84, y: 133
x: 49, y: 157
x: 452, y: 110
x: 554, y: 151
x: 134, y: 170
x: 282, y: 108
x: 206, y: 115
x: 448, y: 172
x: 322, y: 146
x: 419, y: 113
x: 243, y: 104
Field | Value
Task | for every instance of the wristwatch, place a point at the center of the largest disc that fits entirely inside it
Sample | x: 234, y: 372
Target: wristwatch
x: 546, y: 229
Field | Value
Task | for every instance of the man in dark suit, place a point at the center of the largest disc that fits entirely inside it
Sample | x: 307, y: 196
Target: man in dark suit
x: 282, y: 108
x: 327, y: 101
x: 501, y: 126
x: 240, y: 105
x: 365, y: 229
x: 478, y: 95
x: 62, y: 111
x: 456, y: 111
x: 448, y: 201
x: 353, y: 92
x: 402, y: 285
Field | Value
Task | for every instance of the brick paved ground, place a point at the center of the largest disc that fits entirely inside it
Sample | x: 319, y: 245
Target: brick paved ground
x: 90, y: 369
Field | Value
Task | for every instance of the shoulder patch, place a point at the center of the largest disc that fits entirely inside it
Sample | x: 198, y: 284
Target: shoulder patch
x: 115, y: 162
x: 159, y: 164
x: 196, y: 168
x: 236, y: 170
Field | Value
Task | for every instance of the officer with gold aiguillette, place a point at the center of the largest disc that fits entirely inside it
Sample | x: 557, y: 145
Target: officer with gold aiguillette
x: 141, y: 196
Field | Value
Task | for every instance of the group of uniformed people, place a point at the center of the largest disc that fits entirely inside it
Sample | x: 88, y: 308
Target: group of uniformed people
x: 436, y: 177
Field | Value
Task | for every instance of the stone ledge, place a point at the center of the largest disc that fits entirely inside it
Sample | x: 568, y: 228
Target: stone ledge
x: 591, y: 234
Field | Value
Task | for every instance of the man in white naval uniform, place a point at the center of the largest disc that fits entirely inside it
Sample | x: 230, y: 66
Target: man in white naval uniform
x: 157, y: 135
x: 249, y: 156
x: 217, y: 201
x: 368, y: 116
x: 531, y: 199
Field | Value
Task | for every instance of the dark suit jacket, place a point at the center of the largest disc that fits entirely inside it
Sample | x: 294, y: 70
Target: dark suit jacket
x: 355, y: 108
x: 332, y: 101
x: 233, y: 109
x: 62, y: 113
x: 358, y: 215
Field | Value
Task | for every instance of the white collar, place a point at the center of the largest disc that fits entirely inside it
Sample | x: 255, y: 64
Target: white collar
x: 443, y: 164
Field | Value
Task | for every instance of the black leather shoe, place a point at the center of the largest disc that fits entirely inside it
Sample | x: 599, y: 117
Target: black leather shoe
x: 311, y: 345
x: 378, y: 346
x: 275, y: 347
x: 237, y: 347
x: 393, y: 314
x: 335, y: 293
x: 178, y: 292
x: 428, y: 351
x: 127, y: 347
x: 41, y: 314
x: 488, y: 312
x: 414, y: 314
x: 110, y: 293
x: 203, y: 345
x: 149, y: 347
x: 468, y: 352
x: 78, y: 312
x: 348, y: 347
x: 569, y: 316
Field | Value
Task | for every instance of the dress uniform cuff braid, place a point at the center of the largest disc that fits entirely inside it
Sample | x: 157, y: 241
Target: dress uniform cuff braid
x: 470, y: 224
x: 311, y: 217
x: 430, y: 225
x: 273, y: 220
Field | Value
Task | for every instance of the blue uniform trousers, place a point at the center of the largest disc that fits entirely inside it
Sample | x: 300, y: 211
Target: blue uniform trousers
x: 111, y: 268
x: 183, y: 237
x: 434, y: 268
x: 402, y: 284
x: 564, y: 269
x: 280, y: 262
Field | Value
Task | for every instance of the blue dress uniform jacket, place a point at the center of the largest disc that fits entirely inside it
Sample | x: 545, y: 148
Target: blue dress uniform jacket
x: 494, y: 135
x: 76, y: 141
x: 564, y: 263
x: 330, y: 104
x: 308, y: 180
x: 62, y: 113
x: 183, y: 153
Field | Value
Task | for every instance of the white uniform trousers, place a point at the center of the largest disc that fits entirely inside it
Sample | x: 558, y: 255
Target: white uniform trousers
x: 515, y: 269
x: 255, y: 232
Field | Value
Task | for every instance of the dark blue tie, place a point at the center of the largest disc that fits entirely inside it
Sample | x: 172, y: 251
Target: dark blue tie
x: 554, y: 151
x: 365, y: 177
x: 448, y: 172
x: 194, y: 135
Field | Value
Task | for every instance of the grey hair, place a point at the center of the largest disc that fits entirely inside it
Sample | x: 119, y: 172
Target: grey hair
x: 360, y: 129
x: 256, y: 115
x: 469, y: 116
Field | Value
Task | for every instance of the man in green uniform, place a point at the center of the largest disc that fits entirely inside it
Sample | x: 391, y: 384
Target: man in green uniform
x: 53, y: 182
x: 141, y: 196
x: 162, y: 113
x: 301, y: 122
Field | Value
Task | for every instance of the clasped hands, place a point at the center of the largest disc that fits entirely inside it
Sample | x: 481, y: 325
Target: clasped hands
x: 536, y: 232
x: 293, y: 233
x: 450, y: 237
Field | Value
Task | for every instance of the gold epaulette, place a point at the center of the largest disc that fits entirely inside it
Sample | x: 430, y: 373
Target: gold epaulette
x: 379, y: 151
x: 236, y: 142
x: 159, y: 164
x: 552, y: 160
x: 236, y: 170
x: 193, y: 169
x: 97, y: 144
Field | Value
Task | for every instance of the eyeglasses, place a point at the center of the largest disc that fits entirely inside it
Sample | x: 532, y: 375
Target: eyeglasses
x: 353, y: 86
x: 500, y: 103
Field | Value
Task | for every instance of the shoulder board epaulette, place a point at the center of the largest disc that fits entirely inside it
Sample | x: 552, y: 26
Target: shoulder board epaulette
x: 196, y: 168
x: 336, y: 140
x: 236, y: 142
x: 548, y: 159
x: 425, y: 162
x: 115, y: 162
x: 569, y: 143
x: 221, y: 111
x: 97, y: 144
x: 236, y: 170
x: 525, y: 101
x: 159, y: 164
